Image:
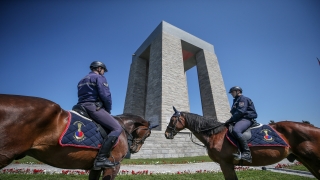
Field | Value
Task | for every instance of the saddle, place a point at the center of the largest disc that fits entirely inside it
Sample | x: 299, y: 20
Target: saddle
x: 258, y: 135
x: 81, y: 110
x: 247, y: 134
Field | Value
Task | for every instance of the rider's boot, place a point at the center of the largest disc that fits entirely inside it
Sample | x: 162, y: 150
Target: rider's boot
x: 245, y: 151
x: 102, y: 160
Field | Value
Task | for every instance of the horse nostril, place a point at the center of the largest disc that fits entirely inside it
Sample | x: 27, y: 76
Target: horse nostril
x: 167, y: 135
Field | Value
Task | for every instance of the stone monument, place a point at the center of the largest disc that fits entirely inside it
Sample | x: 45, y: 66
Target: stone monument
x: 157, y: 81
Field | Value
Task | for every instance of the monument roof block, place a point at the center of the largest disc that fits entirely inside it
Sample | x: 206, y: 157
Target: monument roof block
x: 190, y: 43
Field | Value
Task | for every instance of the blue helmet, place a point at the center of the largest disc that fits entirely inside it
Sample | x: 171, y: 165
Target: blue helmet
x: 96, y: 64
x: 235, y: 88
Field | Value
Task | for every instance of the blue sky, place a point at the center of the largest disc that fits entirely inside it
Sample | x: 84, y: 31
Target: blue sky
x: 269, y: 48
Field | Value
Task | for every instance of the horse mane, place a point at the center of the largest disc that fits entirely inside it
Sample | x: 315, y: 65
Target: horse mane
x: 204, y: 125
x: 133, y: 117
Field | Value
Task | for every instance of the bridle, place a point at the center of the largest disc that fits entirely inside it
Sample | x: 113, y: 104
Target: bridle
x: 136, y: 141
x: 173, y: 128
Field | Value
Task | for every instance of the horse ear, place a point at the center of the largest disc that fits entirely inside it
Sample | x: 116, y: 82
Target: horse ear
x: 154, y: 126
x: 175, y: 110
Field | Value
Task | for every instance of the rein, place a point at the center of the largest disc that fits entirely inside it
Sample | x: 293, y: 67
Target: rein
x: 135, y: 141
x: 174, y: 131
x: 196, y: 142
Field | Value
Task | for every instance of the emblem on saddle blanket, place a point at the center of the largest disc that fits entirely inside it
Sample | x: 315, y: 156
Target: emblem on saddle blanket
x: 261, y: 136
x: 80, y: 132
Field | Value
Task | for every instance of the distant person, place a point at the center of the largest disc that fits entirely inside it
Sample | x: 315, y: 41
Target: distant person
x: 243, y: 116
x: 94, y: 95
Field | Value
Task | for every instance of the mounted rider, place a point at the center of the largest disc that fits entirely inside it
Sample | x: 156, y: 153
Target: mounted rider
x: 95, y: 96
x: 243, y: 116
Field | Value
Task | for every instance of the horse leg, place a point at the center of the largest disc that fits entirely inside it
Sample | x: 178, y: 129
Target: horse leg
x: 312, y: 164
x: 10, y: 153
x: 309, y: 155
x: 5, y: 160
x: 111, y: 173
x: 115, y: 171
x: 94, y: 174
x: 228, y: 171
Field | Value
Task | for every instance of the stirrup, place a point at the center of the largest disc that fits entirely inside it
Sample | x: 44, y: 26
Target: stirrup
x: 248, y: 160
x: 103, y: 165
x: 237, y: 156
x: 246, y: 157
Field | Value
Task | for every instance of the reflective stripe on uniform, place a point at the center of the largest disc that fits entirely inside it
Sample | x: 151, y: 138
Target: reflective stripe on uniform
x: 93, y: 84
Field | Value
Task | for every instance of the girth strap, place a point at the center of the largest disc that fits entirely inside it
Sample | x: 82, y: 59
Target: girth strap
x: 102, y: 131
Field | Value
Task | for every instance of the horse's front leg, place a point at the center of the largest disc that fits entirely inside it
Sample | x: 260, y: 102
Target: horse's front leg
x: 228, y: 171
x: 94, y: 174
x: 111, y: 173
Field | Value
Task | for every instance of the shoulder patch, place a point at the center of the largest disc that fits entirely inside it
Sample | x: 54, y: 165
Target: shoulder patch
x: 106, y: 84
x: 241, y: 104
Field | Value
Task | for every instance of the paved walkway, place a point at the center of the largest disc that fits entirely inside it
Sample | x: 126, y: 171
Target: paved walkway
x: 162, y: 168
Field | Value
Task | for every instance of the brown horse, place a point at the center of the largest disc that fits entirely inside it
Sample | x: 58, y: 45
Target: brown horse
x: 32, y: 126
x: 303, y: 140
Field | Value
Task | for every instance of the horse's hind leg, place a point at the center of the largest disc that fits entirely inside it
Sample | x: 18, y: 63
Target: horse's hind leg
x: 312, y: 164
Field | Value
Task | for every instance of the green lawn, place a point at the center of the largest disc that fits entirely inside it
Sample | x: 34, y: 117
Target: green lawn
x: 244, y: 175
x: 298, y: 167
x: 249, y: 174
x: 181, y: 160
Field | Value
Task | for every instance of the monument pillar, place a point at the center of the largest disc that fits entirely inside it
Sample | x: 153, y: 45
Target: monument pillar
x: 167, y: 84
x: 212, y: 91
x: 136, y: 91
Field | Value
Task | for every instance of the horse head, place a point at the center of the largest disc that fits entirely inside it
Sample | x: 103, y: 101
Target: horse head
x: 176, y: 124
x: 137, y: 130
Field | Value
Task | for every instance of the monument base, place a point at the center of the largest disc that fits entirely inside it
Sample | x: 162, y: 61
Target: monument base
x: 157, y: 146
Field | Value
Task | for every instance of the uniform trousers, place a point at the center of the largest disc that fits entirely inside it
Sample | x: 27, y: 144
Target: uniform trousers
x: 240, y: 127
x: 103, y: 118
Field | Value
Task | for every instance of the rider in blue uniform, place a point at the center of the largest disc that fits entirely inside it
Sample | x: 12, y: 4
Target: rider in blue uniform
x: 94, y: 95
x: 243, y: 116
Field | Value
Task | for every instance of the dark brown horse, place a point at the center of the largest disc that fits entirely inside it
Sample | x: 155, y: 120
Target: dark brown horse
x: 303, y: 139
x: 32, y: 126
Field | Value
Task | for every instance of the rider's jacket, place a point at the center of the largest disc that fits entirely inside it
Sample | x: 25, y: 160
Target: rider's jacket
x: 242, y: 107
x: 94, y: 88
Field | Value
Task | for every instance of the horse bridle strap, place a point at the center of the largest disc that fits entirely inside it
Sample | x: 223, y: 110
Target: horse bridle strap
x: 195, y: 142
x: 210, y: 128
x: 173, y: 129
x: 132, y: 139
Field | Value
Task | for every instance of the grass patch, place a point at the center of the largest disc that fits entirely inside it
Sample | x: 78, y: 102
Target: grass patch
x: 244, y: 175
x: 181, y: 160
x: 298, y: 167
x: 27, y: 160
